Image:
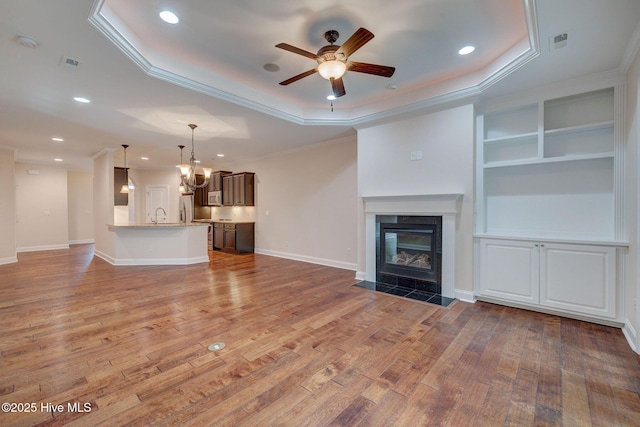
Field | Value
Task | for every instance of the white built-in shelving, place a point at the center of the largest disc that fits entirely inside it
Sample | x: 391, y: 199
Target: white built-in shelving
x: 548, y: 169
x: 549, y: 175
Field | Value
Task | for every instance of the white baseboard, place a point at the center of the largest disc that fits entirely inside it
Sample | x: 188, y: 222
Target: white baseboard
x: 42, y: 248
x: 81, y: 241
x: 552, y: 311
x: 630, y: 334
x: 312, y: 260
x: 466, y: 296
x: 8, y: 260
x: 151, y: 261
x: 361, y: 275
x: 104, y: 257
x: 162, y: 261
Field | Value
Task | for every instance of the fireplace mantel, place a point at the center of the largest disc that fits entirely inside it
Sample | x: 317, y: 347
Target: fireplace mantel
x: 445, y: 205
x: 413, y: 204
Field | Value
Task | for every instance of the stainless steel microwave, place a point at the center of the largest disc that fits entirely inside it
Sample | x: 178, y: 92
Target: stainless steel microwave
x: 214, y: 198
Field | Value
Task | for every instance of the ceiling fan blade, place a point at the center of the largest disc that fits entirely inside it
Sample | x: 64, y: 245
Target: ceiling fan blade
x: 298, y: 77
x: 378, y: 70
x: 297, y: 50
x: 355, y: 42
x: 338, y: 87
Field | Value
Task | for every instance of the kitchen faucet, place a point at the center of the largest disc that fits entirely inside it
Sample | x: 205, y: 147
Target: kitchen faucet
x: 162, y: 209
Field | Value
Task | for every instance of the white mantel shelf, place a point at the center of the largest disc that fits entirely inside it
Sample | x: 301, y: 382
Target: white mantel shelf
x: 413, y: 204
x: 445, y: 205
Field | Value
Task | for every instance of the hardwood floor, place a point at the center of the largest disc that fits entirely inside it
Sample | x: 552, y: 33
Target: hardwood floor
x: 128, y: 346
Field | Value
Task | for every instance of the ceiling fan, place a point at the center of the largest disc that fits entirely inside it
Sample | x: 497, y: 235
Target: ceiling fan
x: 333, y: 60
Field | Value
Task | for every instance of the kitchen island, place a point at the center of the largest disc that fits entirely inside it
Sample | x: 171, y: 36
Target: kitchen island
x: 159, y: 244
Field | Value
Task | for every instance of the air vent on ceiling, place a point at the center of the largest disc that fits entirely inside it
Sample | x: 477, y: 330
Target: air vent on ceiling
x: 558, y: 41
x: 70, y: 63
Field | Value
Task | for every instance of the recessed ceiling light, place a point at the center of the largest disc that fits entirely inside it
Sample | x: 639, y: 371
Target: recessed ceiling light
x: 169, y: 17
x: 220, y: 155
x: 466, y: 50
x: 144, y: 158
x: 81, y: 100
x: 57, y: 160
x: 56, y: 139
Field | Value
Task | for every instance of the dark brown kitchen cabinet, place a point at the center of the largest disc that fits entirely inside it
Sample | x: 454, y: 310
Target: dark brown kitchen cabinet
x: 227, y: 190
x: 237, y: 237
x: 119, y: 179
x: 243, y: 189
x: 229, y: 238
x: 218, y: 236
x: 238, y: 189
x: 215, y: 184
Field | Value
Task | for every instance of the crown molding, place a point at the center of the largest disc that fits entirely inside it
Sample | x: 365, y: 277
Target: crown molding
x: 106, y: 23
x: 631, y: 51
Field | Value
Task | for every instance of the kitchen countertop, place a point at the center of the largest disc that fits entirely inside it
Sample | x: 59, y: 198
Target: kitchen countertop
x: 153, y: 225
x: 224, y: 221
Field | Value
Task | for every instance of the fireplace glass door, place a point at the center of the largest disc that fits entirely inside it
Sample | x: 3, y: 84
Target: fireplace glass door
x: 409, y: 250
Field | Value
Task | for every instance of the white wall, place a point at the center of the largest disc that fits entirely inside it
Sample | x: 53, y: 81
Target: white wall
x: 446, y: 139
x: 306, y: 204
x: 41, y: 207
x: 103, y: 205
x: 80, y: 205
x: 7, y: 207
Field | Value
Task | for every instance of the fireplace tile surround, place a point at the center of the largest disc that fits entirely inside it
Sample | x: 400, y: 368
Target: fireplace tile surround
x: 415, y: 294
x: 445, y: 206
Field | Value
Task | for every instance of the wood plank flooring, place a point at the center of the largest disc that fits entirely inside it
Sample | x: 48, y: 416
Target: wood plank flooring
x: 128, y: 346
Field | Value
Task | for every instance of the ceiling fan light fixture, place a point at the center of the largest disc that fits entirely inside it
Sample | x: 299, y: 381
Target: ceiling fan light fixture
x: 333, y: 69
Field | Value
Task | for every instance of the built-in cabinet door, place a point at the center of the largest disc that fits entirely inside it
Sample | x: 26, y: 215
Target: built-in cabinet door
x: 578, y: 278
x: 509, y: 269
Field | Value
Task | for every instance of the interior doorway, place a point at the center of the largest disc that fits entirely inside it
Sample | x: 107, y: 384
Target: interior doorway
x: 157, y: 203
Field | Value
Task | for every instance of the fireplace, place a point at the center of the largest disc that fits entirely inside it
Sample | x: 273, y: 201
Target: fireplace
x: 383, y: 209
x: 409, y: 251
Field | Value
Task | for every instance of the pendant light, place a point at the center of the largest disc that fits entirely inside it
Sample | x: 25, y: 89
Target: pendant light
x: 188, y: 171
x: 181, y: 189
x: 125, y: 187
